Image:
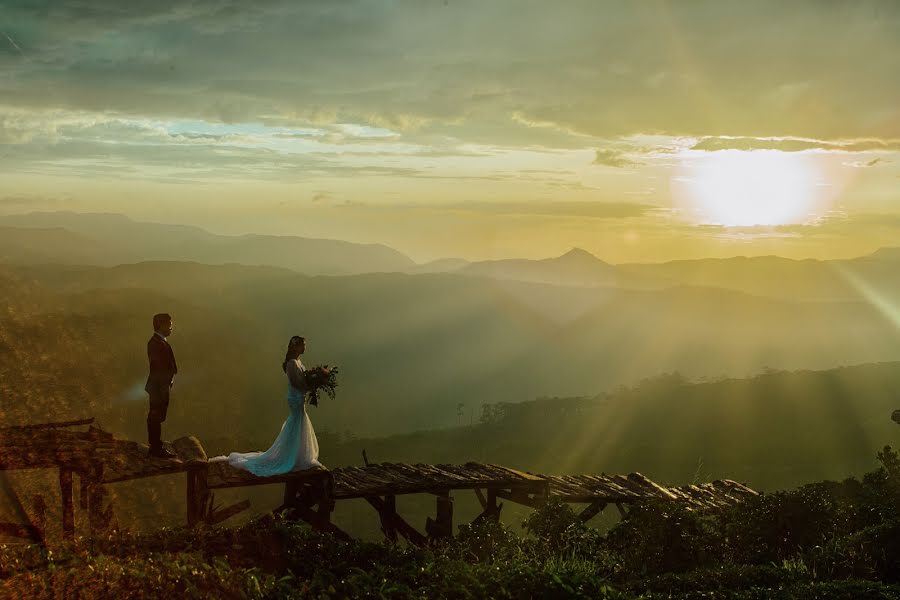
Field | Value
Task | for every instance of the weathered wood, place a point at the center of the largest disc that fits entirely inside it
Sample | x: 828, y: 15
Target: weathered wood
x: 592, y: 510
x: 490, y: 508
x: 39, y: 520
x: 409, y: 533
x: 199, y: 498
x: 481, y: 499
x: 18, y: 530
x: 623, y: 512
x: 217, y: 516
x: 441, y: 527
x: 319, y: 523
x: 51, y: 445
x: 68, y: 507
x: 223, y: 475
x: 37, y: 426
x: 387, y: 515
x: 189, y: 449
x: 519, y: 497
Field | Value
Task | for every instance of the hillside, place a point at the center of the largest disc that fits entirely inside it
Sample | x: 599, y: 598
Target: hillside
x: 412, y: 347
x: 124, y: 240
x: 775, y: 430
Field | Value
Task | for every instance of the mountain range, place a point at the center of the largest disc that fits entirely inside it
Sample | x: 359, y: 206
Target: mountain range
x: 108, y: 240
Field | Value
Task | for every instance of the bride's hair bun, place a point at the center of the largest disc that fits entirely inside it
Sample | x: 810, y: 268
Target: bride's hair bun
x: 295, y: 340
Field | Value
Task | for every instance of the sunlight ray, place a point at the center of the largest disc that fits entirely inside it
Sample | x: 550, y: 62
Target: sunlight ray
x: 888, y: 308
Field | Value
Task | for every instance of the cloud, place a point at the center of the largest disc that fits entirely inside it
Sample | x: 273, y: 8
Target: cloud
x: 517, y: 72
x: 796, y: 144
x: 594, y: 210
x: 613, y: 158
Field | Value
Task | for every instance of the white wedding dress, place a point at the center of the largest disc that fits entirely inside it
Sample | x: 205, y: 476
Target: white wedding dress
x: 295, y: 448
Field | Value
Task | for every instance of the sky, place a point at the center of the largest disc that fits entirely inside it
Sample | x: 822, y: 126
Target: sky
x: 640, y: 131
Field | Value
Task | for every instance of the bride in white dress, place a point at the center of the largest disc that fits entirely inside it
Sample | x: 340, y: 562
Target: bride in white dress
x: 296, y: 447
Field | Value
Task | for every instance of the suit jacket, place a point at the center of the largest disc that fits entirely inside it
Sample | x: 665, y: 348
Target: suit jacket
x: 162, y: 365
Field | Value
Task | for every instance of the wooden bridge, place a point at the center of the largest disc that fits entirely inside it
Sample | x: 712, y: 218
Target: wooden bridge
x: 98, y: 458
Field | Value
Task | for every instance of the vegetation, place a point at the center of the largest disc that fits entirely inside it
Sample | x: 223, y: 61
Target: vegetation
x: 828, y: 540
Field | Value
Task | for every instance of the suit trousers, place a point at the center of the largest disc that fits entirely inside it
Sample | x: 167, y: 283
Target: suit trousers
x: 159, y: 406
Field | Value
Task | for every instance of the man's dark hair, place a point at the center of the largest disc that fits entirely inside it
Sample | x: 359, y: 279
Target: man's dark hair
x: 159, y: 319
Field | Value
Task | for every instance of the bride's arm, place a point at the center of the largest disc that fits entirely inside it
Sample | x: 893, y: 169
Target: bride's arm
x: 295, y: 376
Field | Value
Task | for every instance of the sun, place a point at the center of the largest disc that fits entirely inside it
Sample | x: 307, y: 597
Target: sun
x: 739, y: 188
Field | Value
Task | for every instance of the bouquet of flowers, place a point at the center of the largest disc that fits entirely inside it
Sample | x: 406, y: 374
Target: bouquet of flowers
x: 321, y: 377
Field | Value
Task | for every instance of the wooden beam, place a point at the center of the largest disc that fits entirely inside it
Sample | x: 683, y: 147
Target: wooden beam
x: 481, y: 499
x: 409, y: 533
x: 318, y: 523
x: 21, y: 531
x: 519, y: 498
x: 491, y: 510
x: 441, y: 527
x: 221, y: 514
x: 68, y: 507
x: 386, y: 515
x: 199, y: 498
x: 592, y: 510
x: 93, y: 498
x: 622, y: 510
x: 39, y: 509
x: 34, y: 426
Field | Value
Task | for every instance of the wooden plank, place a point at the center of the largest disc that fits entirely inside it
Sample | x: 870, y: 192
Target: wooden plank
x: 319, y: 523
x: 223, y: 475
x: 20, y: 531
x: 651, y: 485
x: 68, y: 507
x: 221, y: 514
x: 491, y: 510
x: 39, y: 426
x: 409, y: 533
x: 592, y: 510
x: 387, y: 511
x: 519, y: 474
x: 198, y: 495
x: 441, y: 527
x: 518, y: 497
x: 481, y: 499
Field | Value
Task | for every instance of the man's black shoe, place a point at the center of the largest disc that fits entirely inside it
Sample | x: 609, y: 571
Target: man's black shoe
x: 161, y: 453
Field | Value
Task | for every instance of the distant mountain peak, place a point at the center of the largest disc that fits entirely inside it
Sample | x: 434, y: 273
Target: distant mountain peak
x: 886, y: 253
x: 578, y: 255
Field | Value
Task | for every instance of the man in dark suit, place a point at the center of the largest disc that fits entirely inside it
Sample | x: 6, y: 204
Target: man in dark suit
x: 160, y: 381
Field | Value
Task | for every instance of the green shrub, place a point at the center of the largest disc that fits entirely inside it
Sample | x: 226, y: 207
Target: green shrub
x: 663, y: 537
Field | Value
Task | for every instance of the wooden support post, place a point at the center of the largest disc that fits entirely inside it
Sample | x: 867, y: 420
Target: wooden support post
x: 592, y: 510
x: 491, y: 510
x: 622, y: 511
x: 441, y: 527
x: 291, y: 489
x: 68, y: 505
x: 217, y: 516
x: 39, y: 506
x: 318, y: 523
x: 92, y: 497
x: 481, y: 499
x: 519, y: 497
x: 198, y: 495
x: 406, y: 530
x: 388, y: 522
